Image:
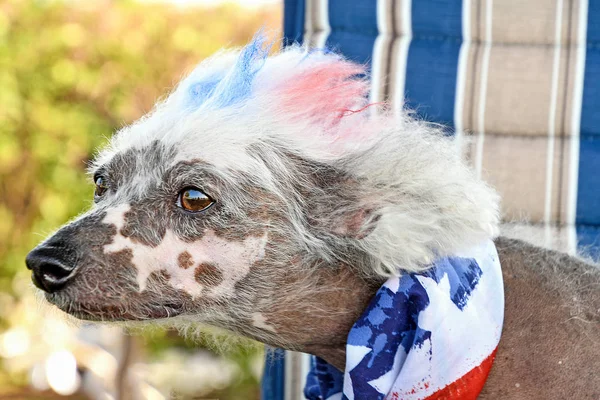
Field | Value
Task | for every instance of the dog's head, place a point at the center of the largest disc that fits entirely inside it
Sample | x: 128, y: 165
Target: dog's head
x: 253, y: 176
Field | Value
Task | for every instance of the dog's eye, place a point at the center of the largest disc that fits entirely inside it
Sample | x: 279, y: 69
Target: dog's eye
x: 101, y: 186
x: 194, y: 200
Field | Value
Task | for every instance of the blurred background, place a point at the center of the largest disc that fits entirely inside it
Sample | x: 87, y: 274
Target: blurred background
x: 71, y: 73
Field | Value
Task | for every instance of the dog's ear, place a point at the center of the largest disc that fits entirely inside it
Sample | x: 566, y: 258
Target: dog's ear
x: 355, y: 224
x: 338, y: 207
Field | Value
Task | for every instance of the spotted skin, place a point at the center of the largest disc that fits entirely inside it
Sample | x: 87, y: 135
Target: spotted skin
x: 142, y: 257
x: 102, y: 280
x: 225, y: 262
x: 184, y: 260
x: 208, y: 275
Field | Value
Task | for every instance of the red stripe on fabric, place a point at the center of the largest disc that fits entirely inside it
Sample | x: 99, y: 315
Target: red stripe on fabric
x: 469, y: 386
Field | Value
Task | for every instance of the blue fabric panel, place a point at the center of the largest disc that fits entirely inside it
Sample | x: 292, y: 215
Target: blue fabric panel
x: 323, y: 380
x: 353, y: 45
x: 588, y: 190
x: 590, y: 108
x: 273, y: 381
x: 437, y: 18
x: 593, y: 27
x: 293, y: 21
x: 430, y: 86
x: 432, y: 63
x: 359, y: 16
x: 353, y: 29
x: 588, y: 197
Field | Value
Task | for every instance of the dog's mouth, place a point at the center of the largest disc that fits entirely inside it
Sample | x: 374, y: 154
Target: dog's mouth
x: 88, y: 311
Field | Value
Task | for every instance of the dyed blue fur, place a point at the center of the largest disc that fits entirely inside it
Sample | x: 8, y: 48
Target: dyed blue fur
x: 201, y: 91
x: 237, y: 84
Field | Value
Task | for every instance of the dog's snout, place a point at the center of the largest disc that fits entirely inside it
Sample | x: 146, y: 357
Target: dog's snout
x: 52, y: 266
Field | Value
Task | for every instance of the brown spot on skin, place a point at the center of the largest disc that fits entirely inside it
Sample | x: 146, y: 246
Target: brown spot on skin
x: 208, y: 275
x: 185, y: 260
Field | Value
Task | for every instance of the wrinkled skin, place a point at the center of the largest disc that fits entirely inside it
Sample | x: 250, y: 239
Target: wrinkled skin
x: 550, y: 344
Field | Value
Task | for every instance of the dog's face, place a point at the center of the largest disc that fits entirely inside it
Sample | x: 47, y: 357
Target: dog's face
x: 164, y: 237
x: 171, y: 237
x: 249, y: 191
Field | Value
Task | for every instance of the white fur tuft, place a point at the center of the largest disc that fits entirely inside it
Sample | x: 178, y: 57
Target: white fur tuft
x: 425, y: 201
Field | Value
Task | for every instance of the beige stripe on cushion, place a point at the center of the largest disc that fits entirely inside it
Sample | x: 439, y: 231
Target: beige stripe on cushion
x: 399, y: 52
x: 381, y: 52
x: 519, y: 78
x: 562, y: 205
x: 565, y: 131
x: 316, y: 25
x: 475, y: 20
x: 528, y: 22
x: 525, y: 22
x: 533, y: 91
x: 554, y: 113
x: 475, y: 96
x: 519, y: 88
x: 572, y: 74
x: 309, y: 23
x: 461, y: 74
x: 516, y: 167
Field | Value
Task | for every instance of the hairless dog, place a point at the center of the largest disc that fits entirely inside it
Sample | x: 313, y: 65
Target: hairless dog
x: 266, y: 196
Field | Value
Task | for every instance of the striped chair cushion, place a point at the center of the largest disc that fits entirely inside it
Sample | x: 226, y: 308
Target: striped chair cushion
x: 516, y: 80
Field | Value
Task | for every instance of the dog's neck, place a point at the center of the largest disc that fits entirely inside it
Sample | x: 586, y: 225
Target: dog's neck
x: 318, y: 322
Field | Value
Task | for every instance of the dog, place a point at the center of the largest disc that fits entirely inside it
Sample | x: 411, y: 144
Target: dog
x: 266, y: 196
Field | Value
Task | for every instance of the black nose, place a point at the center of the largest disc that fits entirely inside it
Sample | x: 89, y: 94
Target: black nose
x: 52, y: 265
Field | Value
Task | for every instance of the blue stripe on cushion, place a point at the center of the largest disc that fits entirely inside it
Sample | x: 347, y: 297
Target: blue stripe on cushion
x: 432, y: 63
x: 588, y: 198
x: 361, y: 16
x: 430, y: 86
x: 353, y: 29
x: 437, y: 18
x: 354, y: 46
x: 593, y: 28
x: 273, y: 381
x: 590, y: 117
x: 293, y: 21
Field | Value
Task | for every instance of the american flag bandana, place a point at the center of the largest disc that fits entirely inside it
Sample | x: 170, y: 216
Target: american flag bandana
x: 428, y: 335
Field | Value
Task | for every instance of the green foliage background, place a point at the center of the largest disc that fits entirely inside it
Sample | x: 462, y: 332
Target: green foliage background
x: 71, y: 73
